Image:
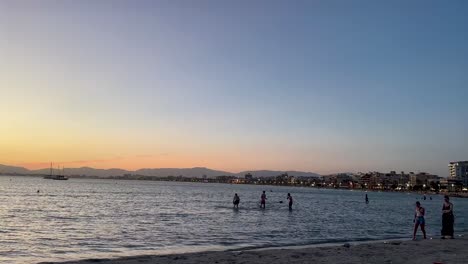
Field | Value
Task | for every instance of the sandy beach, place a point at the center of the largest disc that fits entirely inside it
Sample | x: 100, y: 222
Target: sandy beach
x: 418, y: 252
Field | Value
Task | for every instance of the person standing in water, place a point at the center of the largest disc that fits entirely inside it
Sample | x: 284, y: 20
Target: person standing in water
x: 367, y: 199
x: 419, y: 220
x: 290, y: 199
x: 236, y: 200
x: 263, y: 200
x: 447, y: 218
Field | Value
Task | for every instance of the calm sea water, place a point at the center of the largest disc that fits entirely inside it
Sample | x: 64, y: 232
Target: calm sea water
x: 87, y: 218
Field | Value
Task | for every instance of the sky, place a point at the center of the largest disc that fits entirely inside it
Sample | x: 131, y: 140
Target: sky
x: 323, y: 86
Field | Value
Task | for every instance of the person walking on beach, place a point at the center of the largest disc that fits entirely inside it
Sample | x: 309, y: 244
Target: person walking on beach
x: 447, y: 218
x: 419, y: 220
x: 263, y: 200
x: 290, y: 199
x: 236, y: 200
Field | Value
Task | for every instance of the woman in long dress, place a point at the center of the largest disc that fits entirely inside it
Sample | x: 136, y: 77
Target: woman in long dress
x: 447, y: 218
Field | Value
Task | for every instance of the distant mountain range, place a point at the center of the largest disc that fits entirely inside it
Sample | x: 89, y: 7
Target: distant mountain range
x: 197, y: 172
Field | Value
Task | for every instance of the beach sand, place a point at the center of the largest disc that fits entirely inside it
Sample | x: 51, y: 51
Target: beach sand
x: 418, y: 252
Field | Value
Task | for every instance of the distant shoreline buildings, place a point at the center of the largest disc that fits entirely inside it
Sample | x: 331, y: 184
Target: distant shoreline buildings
x: 421, y: 181
x: 391, y: 181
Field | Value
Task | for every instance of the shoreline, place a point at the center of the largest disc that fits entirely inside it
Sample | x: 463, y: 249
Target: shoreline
x: 402, y: 250
x: 171, y: 251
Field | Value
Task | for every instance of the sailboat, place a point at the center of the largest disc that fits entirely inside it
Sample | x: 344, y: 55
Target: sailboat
x: 57, y: 177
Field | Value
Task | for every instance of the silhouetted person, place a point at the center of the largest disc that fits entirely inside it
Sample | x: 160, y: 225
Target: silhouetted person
x: 367, y: 199
x: 263, y: 200
x: 290, y: 199
x: 236, y: 201
x: 447, y: 218
x: 419, y: 220
x: 424, y: 197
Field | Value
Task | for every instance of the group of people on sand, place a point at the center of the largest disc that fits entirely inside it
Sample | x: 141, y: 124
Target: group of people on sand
x: 263, y: 198
x: 448, y: 219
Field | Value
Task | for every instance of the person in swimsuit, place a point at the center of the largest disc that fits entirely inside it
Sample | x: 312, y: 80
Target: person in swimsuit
x: 419, y: 220
x: 447, y: 218
x: 263, y: 200
x: 236, y: 200
x: 290, y: 199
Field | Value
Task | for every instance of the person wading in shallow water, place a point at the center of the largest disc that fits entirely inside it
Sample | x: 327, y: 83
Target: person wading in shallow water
x: 263, y: 200
x: 236, y: 201
x: 419, y: 220
x: 290, y: 199
x: 447, y: 218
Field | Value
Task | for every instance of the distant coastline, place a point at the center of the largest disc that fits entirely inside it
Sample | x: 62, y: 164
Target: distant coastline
x: 421, y: 182
x: 306, y: 183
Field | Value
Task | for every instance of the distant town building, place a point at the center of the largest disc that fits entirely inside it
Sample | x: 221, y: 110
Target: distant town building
x: 413, y: 180
x: 458, y: 170
x: 248, y: 177
x: 225, y: 179
x: 422, y: 178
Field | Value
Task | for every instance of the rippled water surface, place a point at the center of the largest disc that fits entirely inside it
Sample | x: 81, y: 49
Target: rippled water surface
x: 88, y: 218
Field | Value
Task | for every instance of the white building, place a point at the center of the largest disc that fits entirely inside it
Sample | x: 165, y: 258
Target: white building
x: 458, y: 170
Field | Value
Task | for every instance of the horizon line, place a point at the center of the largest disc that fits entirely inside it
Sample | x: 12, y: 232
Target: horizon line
x: 203, y: 167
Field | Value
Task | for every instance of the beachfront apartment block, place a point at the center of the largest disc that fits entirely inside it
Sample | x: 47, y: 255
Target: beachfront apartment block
x: 458, y: 170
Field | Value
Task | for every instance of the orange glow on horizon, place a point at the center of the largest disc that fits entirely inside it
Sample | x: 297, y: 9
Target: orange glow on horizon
x: 216, y: 161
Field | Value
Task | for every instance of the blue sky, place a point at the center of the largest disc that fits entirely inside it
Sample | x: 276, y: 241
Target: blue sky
x: 323, y: 86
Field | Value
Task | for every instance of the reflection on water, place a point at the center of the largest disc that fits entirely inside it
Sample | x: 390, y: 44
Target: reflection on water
x: 83, y: 218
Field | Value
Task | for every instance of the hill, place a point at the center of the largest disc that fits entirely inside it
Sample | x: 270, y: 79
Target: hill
x: 196, y: 172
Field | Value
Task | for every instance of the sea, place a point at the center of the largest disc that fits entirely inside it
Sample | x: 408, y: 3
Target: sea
x: 46, y: 220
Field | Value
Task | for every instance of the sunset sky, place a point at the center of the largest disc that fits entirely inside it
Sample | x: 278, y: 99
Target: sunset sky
x: 322, y: 86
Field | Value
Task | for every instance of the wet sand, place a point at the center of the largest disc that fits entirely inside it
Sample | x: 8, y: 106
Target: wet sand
x: 418, y: 252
